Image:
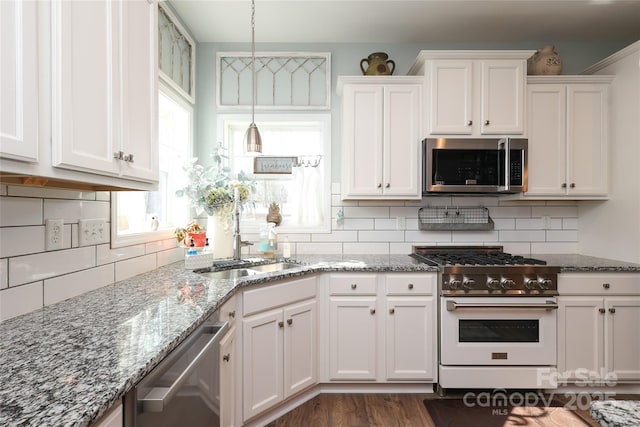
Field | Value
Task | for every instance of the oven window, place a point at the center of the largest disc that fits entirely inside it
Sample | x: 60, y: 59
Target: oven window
x: 484, y: 330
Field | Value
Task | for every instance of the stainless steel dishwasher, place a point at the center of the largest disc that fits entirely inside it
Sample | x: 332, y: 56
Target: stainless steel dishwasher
x: 184, y: 388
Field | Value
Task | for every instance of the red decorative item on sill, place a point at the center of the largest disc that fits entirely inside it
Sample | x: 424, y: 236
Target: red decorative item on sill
x: 199, y: 239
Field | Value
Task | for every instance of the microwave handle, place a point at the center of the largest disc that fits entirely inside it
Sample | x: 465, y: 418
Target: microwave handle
x: 503, y: 144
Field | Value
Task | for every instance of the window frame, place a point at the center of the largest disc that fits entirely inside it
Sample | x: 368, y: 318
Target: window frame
x: 222, y: 123
x: 118, y: 241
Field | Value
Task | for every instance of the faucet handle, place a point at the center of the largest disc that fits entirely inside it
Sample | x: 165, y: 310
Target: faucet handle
x: 245, y: 243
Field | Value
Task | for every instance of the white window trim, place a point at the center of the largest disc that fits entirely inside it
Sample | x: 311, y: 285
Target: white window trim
x: 118, y: 241
x: 224, y: 119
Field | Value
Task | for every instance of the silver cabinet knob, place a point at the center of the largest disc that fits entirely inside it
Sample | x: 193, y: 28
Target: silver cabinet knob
x: 392, y: 310
x: 486, y: 122
x: 387, y: 185
x: 573, y: 185
x: 119, y: 155
x: 601, y: 310
x: 612, y: 310
x: 564, y: 185
x: 281, y: 324
x: 232, y: 314
x: 372, y: 310
x: 353, y: 286
x: 289, y: 322
x: 470, y: 122
x: 379, y: 185
x: 606, y: 285
x: 226, y: 357
x: 410, y: 286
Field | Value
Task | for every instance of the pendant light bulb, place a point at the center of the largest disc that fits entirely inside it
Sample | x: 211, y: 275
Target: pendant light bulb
x: 252, y: 139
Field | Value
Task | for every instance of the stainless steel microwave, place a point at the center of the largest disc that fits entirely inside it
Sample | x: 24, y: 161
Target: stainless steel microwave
x: 457, y: 165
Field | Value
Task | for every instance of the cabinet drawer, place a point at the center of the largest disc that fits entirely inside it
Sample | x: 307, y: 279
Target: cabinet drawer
x: 228, y: 311
x: 411, y: 284
x: 352, y: 284
x: 599, y: 283
x: 277, y: 295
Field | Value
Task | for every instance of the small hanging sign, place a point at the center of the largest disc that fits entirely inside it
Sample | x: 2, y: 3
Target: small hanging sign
x: 273, y: 165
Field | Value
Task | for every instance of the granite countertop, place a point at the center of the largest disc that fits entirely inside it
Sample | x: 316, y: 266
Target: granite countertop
x: 67, y: 363
x: 616, y: 413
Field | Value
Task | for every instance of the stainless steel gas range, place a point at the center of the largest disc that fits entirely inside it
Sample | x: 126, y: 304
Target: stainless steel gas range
x: 497, y: 315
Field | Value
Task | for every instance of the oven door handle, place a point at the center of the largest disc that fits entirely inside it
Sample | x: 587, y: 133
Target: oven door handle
x: 159, y: 397
x: 549, y: 305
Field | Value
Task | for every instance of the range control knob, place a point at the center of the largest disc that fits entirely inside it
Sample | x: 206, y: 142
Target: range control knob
x: 454, y: 283
x: 531, y: 284
x: 544, y: 283
x: 507, y: 283
x: 468, y: 283
x: 493, y: 283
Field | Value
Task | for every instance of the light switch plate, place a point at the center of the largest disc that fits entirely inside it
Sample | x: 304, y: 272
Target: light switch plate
x: 53, y: 234
x: 92, y: 232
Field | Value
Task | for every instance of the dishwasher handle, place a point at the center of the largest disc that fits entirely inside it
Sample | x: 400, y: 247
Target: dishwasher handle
x: 159, y: 397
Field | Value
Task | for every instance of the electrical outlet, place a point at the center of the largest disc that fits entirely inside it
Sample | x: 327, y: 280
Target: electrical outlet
x: 53, y: 234
x: 92, y: 232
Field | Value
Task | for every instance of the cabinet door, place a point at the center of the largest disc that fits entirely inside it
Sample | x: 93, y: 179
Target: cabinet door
x: 227, y: 396
x: 86, y: 85
x: 262, y: 362
x: 362, y: 140
x: 587, y: 140
x: 352, y: 338
x: 401, y: 153
x: 410, y: 331
x: 300, y: 347
x: 502, y: 95
x: 547, y: 140
x: 451, y: 100
x: 140, y: 92
x: 623, y: 337
x: 580, y: 336
x: 18, y: 80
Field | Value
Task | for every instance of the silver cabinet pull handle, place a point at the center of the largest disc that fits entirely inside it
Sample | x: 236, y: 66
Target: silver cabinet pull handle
x: 573, y: 185
x: 159, y: 397
x: 226, y: 357
x: 606, y: 285
x: 612, y: 310
x: 289, y: 322
x: 372, y: 310
x: 392, y: 310
x: 564, y: 185
x: 410, y: 286
x: 353, y: 286
x: 281, y: 324
x: 601, y: 310
x: 232, y: 313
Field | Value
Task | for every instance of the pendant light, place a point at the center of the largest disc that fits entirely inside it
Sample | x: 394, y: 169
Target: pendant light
x: 252, y: 139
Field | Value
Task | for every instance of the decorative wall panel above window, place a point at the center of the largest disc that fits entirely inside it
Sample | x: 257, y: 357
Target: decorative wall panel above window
x: 284, y: 81
x: 176, y: 54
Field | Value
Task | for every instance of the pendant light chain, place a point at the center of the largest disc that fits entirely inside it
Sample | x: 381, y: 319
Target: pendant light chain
x: 253, y: 60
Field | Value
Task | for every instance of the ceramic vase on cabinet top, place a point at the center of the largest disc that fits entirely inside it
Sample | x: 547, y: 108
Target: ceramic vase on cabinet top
x: 378, y: 65
x: 546, y: 61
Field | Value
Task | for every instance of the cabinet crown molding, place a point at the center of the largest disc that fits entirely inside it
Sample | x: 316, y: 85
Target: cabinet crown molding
x: 377, y: 80
x: 570, y: 79
x: 425, y: 55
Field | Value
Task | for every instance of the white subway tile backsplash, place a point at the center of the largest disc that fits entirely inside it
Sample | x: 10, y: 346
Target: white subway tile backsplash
x: 15, y: 211
x: 70, y: 285
x: 3, y: 190
x: 427, y: 237
x: 504, y: 223
x: 103, y: 195
x: 400, y: 248
x: 318, y: 248
x: 106, y: 255
x: 475, y: 201
x: 336, y: 236
x: 475, y: 236
x: 407, y: 212
x: 555, y: 211
x: 358, y: 224
x: 160, y: 245
x: 366, y: 212
x: 381, y: 236
x: 562, y: 235
x: 386, y: 224
x: 134, y: 266
x: 170, y: 256
x: 4, y: 275
x: 73, y: 210
x: 522, y: 235
x: 529, y: 224
x: 29, y: 268
x: 365, y: 248
x: 516, y: 248
x: 21, y: 240
x: 20, y: 300
x: 569, y: 223
x: 510, y: 212
x: 554, y: 247
x: 380, y: 203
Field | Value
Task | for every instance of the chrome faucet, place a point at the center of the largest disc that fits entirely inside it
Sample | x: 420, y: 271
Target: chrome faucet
x: 238, y: 243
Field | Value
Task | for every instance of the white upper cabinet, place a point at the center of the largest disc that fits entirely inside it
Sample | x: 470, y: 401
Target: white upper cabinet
x: 104, y: 92
x: 381, y: 137
x: 18, y: 81
x: 568, y: 133
x: 473, y: 93
x: 79, y: 94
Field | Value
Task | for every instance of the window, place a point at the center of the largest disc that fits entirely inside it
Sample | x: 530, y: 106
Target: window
x: 303, y: 196
x: 142, y: 216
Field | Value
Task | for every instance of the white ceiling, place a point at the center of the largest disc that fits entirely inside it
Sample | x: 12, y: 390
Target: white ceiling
x: 412, y: 21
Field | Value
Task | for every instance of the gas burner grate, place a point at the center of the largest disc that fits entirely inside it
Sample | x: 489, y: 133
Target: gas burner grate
x: 474, y: 258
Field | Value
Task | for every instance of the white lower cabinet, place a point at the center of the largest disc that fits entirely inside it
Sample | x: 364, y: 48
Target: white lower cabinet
x: 228, y: 379
x: 279, y: 350
x: 382, y: 327
x: 598, y: 335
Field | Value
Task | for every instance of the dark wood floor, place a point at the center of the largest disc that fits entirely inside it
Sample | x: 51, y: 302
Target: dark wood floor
x: 382, y: 410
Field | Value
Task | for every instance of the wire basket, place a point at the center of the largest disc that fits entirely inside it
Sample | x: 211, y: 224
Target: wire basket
x: 454, y: 218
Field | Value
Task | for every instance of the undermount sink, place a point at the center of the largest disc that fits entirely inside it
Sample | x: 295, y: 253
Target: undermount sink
x: 236, y: 273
